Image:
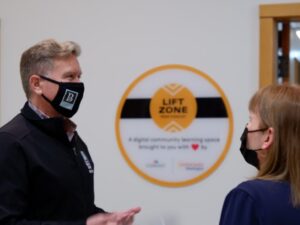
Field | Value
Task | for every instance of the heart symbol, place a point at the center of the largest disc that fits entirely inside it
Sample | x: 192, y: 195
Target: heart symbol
x: 195, y: 147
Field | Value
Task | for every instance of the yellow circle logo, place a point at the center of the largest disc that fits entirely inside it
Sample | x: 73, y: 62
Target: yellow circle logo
x: 174, y: 125
x: 173, y: 107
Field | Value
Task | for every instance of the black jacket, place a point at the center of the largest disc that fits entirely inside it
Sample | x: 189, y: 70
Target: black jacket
x: 44, y: 178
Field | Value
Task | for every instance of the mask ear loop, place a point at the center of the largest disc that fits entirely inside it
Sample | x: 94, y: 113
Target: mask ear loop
x: 253, y: 131
x: 49, y: 79
x: 258, y: 130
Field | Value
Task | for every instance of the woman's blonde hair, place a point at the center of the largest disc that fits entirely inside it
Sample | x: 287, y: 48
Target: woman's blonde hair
x: 39, y: 58
x: 278, y: 106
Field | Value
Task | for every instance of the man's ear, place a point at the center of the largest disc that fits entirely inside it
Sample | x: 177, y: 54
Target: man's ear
x: 35, y: 84
x: 269, y: 138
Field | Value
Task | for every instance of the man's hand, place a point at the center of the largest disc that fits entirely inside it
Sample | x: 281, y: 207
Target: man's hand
x: 115, y: 218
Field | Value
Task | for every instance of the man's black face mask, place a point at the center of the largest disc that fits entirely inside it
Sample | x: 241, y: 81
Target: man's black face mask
x: 67, y: 98
x: 249, y: 155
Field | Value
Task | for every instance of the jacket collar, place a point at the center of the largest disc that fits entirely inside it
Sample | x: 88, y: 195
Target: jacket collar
x: 52, y: 126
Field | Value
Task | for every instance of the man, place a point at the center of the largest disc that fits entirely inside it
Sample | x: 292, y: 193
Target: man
x: 46, y: 172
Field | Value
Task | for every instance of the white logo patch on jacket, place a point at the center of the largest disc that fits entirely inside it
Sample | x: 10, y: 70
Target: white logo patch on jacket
x: 87, y: 162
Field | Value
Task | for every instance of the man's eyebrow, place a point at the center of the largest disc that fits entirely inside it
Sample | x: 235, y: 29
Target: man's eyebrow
x: 72, y: 73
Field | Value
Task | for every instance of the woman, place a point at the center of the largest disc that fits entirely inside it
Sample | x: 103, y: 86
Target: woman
x: 271, y: 142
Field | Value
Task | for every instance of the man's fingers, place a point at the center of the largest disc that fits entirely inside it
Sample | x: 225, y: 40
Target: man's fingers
x: 128, y: 220
x: 126, y: 217
x: 134, y: 210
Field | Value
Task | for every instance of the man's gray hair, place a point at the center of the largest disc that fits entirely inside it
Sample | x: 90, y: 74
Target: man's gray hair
x: 39, y: 58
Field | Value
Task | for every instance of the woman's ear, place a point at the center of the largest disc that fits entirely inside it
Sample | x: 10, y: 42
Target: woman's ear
x: 35, y: 84
x: 268, y: 138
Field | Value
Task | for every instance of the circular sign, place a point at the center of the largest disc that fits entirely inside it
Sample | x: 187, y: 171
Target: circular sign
x: 174, y: 125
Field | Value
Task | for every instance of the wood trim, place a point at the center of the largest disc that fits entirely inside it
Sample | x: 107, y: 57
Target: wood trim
x: 267, y: 52
x: 268, y: 16
x: 280, y: 10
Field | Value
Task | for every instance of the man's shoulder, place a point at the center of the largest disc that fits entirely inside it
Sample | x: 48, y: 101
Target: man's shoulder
x: 16, y: 127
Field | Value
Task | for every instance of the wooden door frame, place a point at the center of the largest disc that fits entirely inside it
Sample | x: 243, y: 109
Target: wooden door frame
x: 269, y: 14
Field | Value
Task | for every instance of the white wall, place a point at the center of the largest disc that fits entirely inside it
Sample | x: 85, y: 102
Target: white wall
x: 120, y: 41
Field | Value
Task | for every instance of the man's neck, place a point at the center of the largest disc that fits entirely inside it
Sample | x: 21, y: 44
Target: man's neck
x: 43, y: 106
x: 41, y: 114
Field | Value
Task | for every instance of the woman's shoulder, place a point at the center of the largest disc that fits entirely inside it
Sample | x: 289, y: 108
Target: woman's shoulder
x: 261, y: 189
x: 261, y: 184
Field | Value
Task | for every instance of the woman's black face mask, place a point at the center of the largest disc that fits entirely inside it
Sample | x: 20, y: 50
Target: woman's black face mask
x: 67, y: 98
x: 249, y: 155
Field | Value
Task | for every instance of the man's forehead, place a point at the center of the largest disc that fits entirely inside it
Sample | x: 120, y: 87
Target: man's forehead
x: 66, y: 65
